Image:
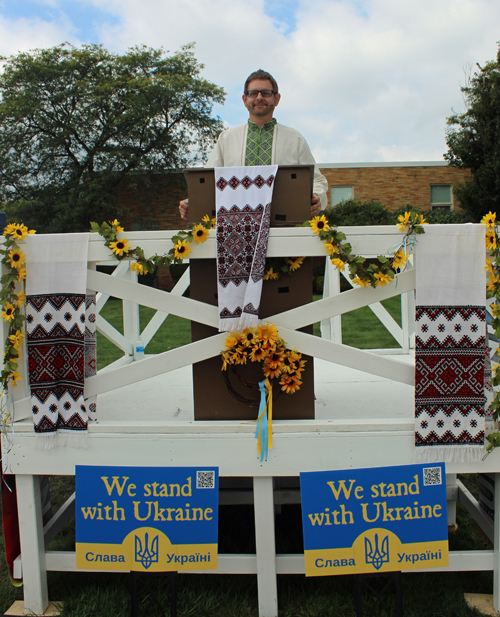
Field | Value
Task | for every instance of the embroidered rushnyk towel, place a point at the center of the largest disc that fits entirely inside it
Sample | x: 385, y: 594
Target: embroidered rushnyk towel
x: 58, y: 357
x: 450, y: 347
x: 243, y: 206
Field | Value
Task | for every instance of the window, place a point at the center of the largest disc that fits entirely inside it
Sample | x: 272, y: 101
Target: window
x: 441, y: 197
x: 340, y: 193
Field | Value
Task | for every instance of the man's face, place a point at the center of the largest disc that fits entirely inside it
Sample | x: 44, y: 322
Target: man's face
x: 260, y: 106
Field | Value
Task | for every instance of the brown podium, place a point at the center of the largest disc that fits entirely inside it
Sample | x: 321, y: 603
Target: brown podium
x: 214, y: 399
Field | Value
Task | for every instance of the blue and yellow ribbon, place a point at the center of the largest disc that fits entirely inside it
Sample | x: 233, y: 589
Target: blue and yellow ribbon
x: 264, y: 429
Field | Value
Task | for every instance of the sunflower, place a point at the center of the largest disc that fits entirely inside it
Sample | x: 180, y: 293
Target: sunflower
x: 275, y: 359
x: 10, y: 228
x: 493, y: 279
x: 489, y: 220
x: 270, y: 370
x: 382, y: 279
x: 319, y: 224
x: 491, y: 240
x: 15, y: 376
x: 295, y: 263
x: 21, y: 274
x: 421, y: 220
x: 231, y: 341
x: 270, y: 275
x: 489, y: 266
x: 257, y: 354
x: 116, y: 224
x: 399, y: 261
x: 495, y: 308
x: 249, y: 337
x: 404, y: 220
x: 291, y: 360
x: 138, y: 267
x: 361, y: 282
x: 290, y: 384
x: 182, y: 249
x: 239, y: 356
x: 120, y: 247
x: 17, y: 339
x: 207, y: 219
x: 21, y: 299
x: 226, y: 360
x: 8, y: 312
x: 338, y: 263
x: 331, y: 249
x: 268, y: 334
x: 200, y: 234
x: 19, y: 232
x: 16, y: 258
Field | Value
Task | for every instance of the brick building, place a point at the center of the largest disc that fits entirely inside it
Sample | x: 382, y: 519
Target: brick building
x: 150, y: 203
x: 425, y: 185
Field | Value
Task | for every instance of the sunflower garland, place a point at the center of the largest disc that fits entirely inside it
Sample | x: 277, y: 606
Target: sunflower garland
x: 263, y: 344
x: 181, y: 249
x: 12, y: 300
x: 493, y: 291
x: 379, y: 272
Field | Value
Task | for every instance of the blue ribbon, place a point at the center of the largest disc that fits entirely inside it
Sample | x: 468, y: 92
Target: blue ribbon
x: 261, y: 429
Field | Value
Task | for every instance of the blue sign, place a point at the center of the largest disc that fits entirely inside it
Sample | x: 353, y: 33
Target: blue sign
x: 374, y: 520
x: 149, y: 519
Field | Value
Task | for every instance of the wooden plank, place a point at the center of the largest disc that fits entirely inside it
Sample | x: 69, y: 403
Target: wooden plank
x: 154, y: 298
x: 265, y: 546
x: 155, y: 365
x: 368, y: 241
x: 342, y: 303
x: 349, y: 356
x: 496, y: 542
x: 32, y: 544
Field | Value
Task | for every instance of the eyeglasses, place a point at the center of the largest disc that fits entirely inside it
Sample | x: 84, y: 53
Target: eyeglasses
x: 265, y: 93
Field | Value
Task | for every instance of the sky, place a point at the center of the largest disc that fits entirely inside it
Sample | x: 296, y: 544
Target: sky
x: 362, y: 80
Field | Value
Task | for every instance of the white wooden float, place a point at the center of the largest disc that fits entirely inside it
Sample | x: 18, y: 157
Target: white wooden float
x: 364, y: 411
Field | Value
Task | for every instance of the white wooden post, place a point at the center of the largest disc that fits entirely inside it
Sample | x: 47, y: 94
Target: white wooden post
x: 29, y: 503
x: 131, y: 322
x: 451, y: 498
x: 265, y: 546
x: 496, y: 544
x: 331, y: 328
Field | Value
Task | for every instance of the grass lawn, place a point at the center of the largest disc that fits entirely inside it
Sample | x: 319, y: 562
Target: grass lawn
x: 107, y: 595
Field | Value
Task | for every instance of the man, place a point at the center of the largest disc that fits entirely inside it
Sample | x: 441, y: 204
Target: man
x: 262, y: 141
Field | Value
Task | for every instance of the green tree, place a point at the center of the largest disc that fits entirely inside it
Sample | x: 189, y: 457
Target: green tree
x: 473, y: 139
x: 75, y: 121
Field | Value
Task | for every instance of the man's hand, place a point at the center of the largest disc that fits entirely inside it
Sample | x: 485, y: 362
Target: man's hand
x: 184, y: 208
x: 315, y: 205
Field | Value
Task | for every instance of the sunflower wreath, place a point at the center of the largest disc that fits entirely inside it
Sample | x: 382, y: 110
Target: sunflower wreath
x: 262, y: 344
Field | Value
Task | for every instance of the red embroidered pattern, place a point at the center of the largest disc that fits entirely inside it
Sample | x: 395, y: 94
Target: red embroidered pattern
x: 449, y: 375
x: 56, y: 361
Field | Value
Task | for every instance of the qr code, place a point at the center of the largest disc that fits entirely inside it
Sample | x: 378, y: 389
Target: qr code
x: 205, y: 479
x: 432, y: 476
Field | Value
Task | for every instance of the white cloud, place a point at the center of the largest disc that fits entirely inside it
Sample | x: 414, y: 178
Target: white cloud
x: 364, y: 80
x: 24, y: 34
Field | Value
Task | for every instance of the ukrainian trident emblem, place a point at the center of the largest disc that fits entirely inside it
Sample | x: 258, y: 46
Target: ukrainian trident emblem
x: 149, y: 553
x: 377, y: 557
